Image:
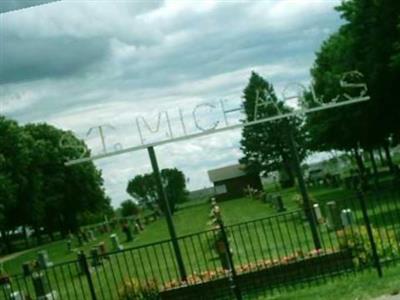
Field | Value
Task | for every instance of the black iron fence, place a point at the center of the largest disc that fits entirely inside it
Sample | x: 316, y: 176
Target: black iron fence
x: 235, y: 261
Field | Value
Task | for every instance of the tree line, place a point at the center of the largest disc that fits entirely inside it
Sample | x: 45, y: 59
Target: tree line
x: 369, y: 42
x: 37, y: 191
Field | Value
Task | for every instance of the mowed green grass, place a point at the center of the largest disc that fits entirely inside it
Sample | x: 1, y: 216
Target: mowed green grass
x: 361, y: 286
x: 191, y: 218
x: 258, y: 240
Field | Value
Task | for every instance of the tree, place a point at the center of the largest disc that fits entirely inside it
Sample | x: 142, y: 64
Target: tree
x: 129, y: 208
x: 367, y: 43
x: 341, y: 128
x: 144, y: 189
x: 14, y: 161
x: 37, y: 187
x: 175, y: 186
x: 265, y: 146
x: 59, y: 194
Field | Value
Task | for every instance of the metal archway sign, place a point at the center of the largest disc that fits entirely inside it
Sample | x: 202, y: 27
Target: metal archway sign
x: 349, y: 81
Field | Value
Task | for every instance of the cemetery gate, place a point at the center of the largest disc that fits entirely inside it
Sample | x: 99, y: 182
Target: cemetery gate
x: 234, y: 261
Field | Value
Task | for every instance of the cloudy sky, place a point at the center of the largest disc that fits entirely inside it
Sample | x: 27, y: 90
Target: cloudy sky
x: 81, y: 64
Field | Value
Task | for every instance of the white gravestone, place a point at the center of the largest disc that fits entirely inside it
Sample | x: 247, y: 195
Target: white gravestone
x: 92, y: 237
x: 346, y: 216
x: 43, y: 259
x: 115, y: 242
x: 317, y: 213
x: 17, y: 296
x: 332, y: 214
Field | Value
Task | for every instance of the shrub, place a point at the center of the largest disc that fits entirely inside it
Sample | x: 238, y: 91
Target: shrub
x: 298, y: 199
x: 358, y: 242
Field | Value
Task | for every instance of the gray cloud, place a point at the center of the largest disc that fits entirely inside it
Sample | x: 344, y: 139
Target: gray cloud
x: 77, y: 64
x: 12, y: 5
x: 56, y: 57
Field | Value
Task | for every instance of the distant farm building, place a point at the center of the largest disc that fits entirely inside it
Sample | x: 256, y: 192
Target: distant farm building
x: 231, y: 182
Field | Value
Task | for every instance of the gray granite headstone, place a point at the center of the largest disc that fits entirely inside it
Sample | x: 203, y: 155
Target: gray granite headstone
x: 317, y: 213
x: 43, y: 259
x: 346, y: 215
x: 115, y: 242
x: 332, y: 215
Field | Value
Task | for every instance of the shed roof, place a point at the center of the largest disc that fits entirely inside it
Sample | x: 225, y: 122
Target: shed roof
x: 227, y: 172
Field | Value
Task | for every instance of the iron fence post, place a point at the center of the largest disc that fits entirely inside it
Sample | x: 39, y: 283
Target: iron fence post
x: 163, y: 199
x: 309, y: 212
x: 371, y: 239
x: 233, y: 278
x: 84, y: 264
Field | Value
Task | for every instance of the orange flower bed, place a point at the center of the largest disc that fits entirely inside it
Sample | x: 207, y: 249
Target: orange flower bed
x: 206, y: 276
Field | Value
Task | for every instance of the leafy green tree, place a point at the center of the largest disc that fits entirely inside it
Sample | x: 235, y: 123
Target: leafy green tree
x: 59, y: 194
x: 144, y: 189
x: 368, y: 41
x: 36, y: 189
x: 175, y: 186
x: 340, y: 128
x: 14, y: 161
x: 265, y: 146
x: 129, y: 208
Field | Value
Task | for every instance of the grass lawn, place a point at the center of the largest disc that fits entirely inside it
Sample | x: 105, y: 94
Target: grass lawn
x: 361, y: 286
x: 193, y: 218
x: 263, y: 239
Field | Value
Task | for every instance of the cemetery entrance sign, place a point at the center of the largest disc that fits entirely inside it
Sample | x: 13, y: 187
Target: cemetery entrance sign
x: 293, y: 94
x: 354, y: 90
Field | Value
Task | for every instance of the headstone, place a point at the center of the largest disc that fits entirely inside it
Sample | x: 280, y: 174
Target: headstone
x: 263, y: 198
x: 4, y: 280
x: 141, y: 227
x: 81, y: 265
x: 137, y: 228
x: 43, y: 260
x: 96, y: 259
x: 91, y: 235
x: 42, y: 287
x: 69, y: 245
x: 346, y: 215
x: 115, y: 242
x: 17, y: 295
x: 26, y: 268
x: 128, y: 232
x: 332, y: 215
x: 270, y: 199
x: 317, y: 213
x: 335, y: 180
x: 85, y: 237
x: 102, y: 249
x: 279, y: 204
x: 80, y: 240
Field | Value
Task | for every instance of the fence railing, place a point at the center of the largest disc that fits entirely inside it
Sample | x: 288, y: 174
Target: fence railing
x: 267, y: 253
